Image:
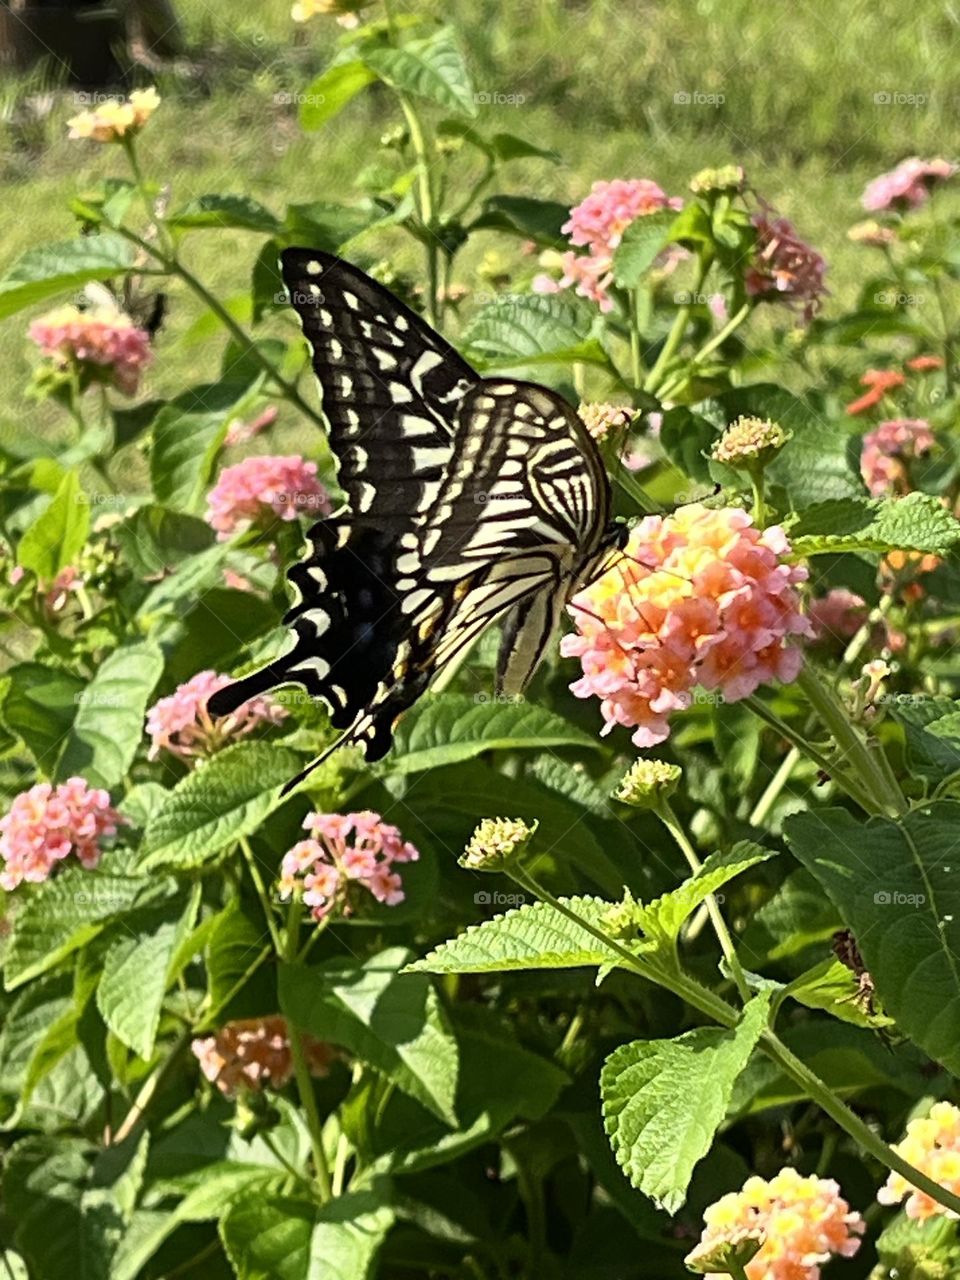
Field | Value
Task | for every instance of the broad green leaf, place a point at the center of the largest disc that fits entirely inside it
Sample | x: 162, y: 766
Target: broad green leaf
x: 136, y: 972
x: 390, y: 1020
x: 186, y: 442
x: 431, y: 68
x: 507, y: 146
x: 533, y: 936
x: 236, y: 940
x: 642, y: 240
x: 897, y: 885
x: 534, y: 328
x: 39, y: 706
x: 213, y: 807
x: 917, y: 522
x: 55, y: 539
x: 154, y: 539
x: 686, y: 438
x: 646, y: 1086
x: 538, y: 220
x: 452, y: 727
x: 931, y: 726
x: 50, y: 269
x: 662, y: 919
x: 108, y: 727
x: 67, y: 912
x: 798, y: 916
x: 225, y: 211
x: 194, y: 576
x: 831, y: 986
x: 329, y: 93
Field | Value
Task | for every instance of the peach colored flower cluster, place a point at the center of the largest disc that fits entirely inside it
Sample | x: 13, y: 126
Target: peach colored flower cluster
x: 112, y: 120
x: 888, y: 448
x: 261, y: 489
x: 838, y: 615
x: 699, y: 597
x: 100, y: 341
x: 254, y: 1052
x: 181, y: 724
x: 784, y: 267
x: 47, y: 823
x: 908, y: 185
x: 803, y: 1223
x: 345, y: 849
x: 932, y: 1145
x: 597, y: 224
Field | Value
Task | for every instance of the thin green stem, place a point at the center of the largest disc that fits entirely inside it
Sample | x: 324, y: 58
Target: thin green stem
x: 708, y: 348
x: 251, y: 860
x: 669, y: 349
x: 665, y: 812
x: 737, y: 1272
x: 301, y: 1070
x: 636, y: 357
x: 776, y: 784
x: 759, y: 503
x: 948, y: 351
x: 427, y: 212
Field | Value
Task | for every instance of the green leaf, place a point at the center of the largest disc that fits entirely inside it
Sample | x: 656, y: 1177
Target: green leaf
x: 539, y: 220
x: 916, y: 522
x: 186, y: 441
x: 212, y: 808
x: 108, y: 726
x: 154, y: 539
x: 533, y: 936
x: 831, y: 986
x: 932, y: 730
x: 39, y: 706
x: 451, y: 727
x: 507, y: 146
x: 329, y: 93
x: 225, y: 211
x: 897, y: 885
x: 533, y: 328
x: 67, y: 912
x: 57, y: 536
x: 280, y: 1238
x: 663, y: 918
x: 642, y: 240
x: 431, y: 68
x: 235, y: 941
x: 50, y: 269
x: 136, y: 973
x: 647, y: 1087
x: 390, y: 1020
x: 685, y: 438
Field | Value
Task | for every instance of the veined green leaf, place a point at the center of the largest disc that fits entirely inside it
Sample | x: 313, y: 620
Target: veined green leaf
x: 430, y: 68
x: 55, y: 539
x: 327, y: 95
x: 50, y: 269
x: 916, y: 522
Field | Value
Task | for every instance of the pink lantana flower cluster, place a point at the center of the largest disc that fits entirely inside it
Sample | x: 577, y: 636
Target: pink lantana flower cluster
x: 47, y: 823
x: 932, y: 1145
x: 597, y: 224
x: 802, y: 1223
x: 102, y: 343
x: 181, y: 724
x: 345, y: 850
x: 784, y: 267
x: 889, y: 448
x: 254, y: 1052
x: 699, y: 597
x: 907, y: 186
x: 257, y: 491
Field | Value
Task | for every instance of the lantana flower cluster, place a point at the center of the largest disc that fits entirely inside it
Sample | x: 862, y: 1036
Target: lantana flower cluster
x: 345, y: 852
x: 102, y: 343
x: 699, y: 597
x: 597, y: 224
x: 908, y: 186
x: 181, y: 724
x: 47, y: 823
x: 785, y: 267
x: 112, y: 120
x: 889, y: 448
x: 259, y: 490
x: 252, y: 1053
x: 932, y: 1145
x: 802, y: 1223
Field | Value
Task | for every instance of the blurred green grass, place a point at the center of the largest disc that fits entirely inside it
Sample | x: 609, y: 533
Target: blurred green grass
x: 802, y: 89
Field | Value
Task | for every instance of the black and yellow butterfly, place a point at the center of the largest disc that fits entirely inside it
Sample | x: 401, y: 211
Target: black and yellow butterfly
x: 470, y: 499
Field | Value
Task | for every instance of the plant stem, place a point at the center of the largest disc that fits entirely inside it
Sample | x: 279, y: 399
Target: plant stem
x: 426, y: 206
x: 301, y: 1070
x: 759, y: 505
x: 713, y: 1006
x: 709, y: 347
x: 150, y: 1087
x: 854, y: 749
x: 776, y: 784
x: 251, y: 861
x: 636, y: 358
x: 669, y: 349
x: 665, y: 812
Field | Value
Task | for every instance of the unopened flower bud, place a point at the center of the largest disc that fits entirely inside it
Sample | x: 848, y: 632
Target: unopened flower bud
x: 749, y: 444
x: 496, y: 843
x: 729, y: 179
x: 601, y: 419
x: 647, y: 782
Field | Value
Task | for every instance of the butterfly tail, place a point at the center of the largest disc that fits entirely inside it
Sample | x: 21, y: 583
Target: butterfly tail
x: 227, y: 699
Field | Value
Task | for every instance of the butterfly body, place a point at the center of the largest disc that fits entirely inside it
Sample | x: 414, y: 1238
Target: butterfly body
x: 469, y: 499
